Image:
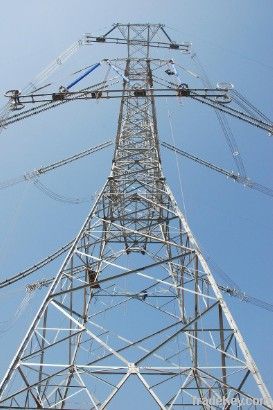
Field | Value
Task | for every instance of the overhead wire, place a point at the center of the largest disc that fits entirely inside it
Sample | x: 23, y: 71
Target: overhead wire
x: 177, y: 163
x: 227, y: 132
x: 57, y: 197
x: 232, y: 289
x: 10, y: 323
x: 26, y: 272
x: 41, y: 77
x: 248, y: 106
x: 231, y: 142
x: 245, y: 181
x: 11, y: 182
x: 36, y: 173
x: 241, y: 115
x: 222, y: 108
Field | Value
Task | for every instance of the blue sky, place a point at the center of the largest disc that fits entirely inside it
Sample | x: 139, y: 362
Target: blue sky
x: 234, y: 225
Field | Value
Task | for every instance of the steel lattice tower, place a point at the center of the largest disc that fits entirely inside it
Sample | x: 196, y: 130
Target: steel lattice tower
x: 134, y: 303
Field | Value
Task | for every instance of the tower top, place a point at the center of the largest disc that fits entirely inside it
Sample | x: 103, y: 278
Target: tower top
x: 144, y: 34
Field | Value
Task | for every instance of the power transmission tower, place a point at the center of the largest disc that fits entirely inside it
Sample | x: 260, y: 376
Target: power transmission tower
x: 134, y: 317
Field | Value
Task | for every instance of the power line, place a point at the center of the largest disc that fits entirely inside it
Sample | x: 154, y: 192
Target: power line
x: 230, y: 290
x: 23, y: 274
x: 56, y: 196
x: 245, y: 181
x: 230, y: 139
x: 34, y: 174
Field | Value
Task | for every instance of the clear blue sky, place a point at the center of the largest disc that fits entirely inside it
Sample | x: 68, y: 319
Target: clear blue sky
x: 234, y: 225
